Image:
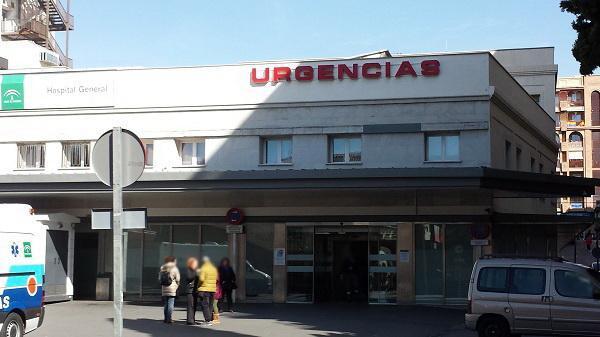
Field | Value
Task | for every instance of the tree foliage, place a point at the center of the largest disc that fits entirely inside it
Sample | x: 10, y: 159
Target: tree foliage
x: 586, y: 48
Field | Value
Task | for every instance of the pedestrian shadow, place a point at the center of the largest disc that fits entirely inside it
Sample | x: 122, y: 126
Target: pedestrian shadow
x: 154, y: 328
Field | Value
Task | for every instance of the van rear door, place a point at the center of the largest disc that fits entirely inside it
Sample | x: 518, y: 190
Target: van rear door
x: 576, y: 301
x: 529, y: 298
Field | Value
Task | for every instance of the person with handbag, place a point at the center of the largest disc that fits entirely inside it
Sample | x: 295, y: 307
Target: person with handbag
x: 227, y: 282
x: 218, y: 296
x: 169, y: 279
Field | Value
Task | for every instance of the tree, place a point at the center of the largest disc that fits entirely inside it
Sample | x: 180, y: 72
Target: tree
x: 586, y: 48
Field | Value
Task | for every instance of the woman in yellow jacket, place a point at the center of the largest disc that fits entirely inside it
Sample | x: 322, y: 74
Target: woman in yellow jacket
x: 207, y: 287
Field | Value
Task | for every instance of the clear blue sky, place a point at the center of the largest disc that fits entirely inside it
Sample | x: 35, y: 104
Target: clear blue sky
x: 194, y: 32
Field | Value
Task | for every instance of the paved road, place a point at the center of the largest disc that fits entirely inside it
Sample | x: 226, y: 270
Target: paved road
x: 92, y: 319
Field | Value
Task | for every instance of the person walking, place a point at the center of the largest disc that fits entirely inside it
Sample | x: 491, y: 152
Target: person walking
x: 227, y: 281
x: 169, y: 280
x: 207, y: 286
x: 191, y: 286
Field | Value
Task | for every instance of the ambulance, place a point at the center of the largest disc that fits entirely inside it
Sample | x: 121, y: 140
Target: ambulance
x: 22, y: 260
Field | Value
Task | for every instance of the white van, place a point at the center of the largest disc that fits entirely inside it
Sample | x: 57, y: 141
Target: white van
x: 22, y: 261
x: 521, y: 296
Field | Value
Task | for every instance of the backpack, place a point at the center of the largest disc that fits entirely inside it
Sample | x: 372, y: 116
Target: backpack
x: 165, y: 278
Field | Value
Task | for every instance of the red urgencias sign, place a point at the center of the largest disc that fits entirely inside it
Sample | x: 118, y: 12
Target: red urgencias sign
x: 330, y: 72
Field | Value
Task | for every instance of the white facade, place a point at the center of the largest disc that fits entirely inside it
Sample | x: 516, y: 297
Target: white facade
x: 219, y: 105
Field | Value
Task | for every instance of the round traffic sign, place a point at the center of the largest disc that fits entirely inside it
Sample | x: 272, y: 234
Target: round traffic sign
x: 132, y: 158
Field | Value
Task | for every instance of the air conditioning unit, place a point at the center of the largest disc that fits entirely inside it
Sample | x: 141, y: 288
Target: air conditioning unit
x: 49, y: 59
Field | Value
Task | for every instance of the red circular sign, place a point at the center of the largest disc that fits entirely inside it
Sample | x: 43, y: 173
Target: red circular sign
x: 235, y: 216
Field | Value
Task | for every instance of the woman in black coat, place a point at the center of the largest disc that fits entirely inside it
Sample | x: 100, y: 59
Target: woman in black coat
x: 227, y: 280
x: 191, y: 286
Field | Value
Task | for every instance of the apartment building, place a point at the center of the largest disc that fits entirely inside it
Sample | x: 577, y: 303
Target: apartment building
x: 578, y: 129
x: 29, y: 34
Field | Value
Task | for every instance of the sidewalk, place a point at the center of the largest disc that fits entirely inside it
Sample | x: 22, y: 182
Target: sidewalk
x: 92, y: 319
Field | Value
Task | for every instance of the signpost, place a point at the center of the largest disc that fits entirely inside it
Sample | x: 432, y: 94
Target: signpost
x: 118, y: 160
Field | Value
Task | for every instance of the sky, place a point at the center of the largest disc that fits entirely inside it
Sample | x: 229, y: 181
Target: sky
x: 119, y: 33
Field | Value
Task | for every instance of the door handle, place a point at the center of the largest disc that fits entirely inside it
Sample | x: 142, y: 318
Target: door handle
x: 547, y: 299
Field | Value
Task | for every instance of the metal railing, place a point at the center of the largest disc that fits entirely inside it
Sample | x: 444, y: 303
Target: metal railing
x: 54, y: 46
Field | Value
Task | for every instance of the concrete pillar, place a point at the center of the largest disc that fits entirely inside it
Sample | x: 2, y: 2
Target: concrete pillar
x: 279, y: 272
x: 405, y: 263
x: 240, y: 293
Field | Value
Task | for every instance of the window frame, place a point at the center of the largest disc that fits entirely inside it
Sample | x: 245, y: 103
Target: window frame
x: 40, y: 163
x: 147, y: 143
x: 195, y: 143
x: 443, y: 136
x: 496, y: 291
x: 594, y: 286
x: 66, y: 164
x: 511, y: 278
x: 265, y: 154
x: 346, y: 138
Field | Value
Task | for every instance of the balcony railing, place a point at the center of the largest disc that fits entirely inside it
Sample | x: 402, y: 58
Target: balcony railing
x: 575, y: 162
x: 575, y: 145
x: 54, y: 46
x: 24, y: 30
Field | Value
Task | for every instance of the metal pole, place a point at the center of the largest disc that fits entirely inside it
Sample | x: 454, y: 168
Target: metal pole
x: 234, y: 260
x: 117, y: 170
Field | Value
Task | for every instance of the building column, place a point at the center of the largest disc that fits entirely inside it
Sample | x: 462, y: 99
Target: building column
x: 279, y: 271
x: 240, y: 264
x: 405, y: 272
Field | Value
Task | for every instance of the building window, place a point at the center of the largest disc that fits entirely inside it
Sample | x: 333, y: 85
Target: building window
x: 193, y: 153
x: 31, y: 156
x: 345, y: 149
x: 507, y: 151
x: 536, y: 97
x: 149, y: 153
x: 541, y: 166
x: 442, y: 147
x: 595, y: 104
x: 576, y: 118
x: 518, y: 156
x: 277, y: 151
x: 532, y: 165
x: 76, y: 154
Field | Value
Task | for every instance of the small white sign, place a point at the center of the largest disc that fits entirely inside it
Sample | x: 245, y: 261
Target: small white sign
x: 133, y: 218
x: 480, y: 242
x: 234, y: 229
x: 279, y: 257
x: 404, y: 256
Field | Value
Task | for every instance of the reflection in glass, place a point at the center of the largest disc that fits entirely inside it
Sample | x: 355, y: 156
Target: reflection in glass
x: 185, y: 243
x: 157, y: 245
x: 133, y: 274
x: 300, y: 264
x: 339, y: 150
x: 355, y: 149
x: 214, y: 242
x: 286, y: 151
x: 459, y: 262
x: 382, y: 264
x: 259, y: 263
x: 429, y: 259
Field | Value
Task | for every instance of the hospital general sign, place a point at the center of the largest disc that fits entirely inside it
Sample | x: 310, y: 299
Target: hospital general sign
x: 344, y: 71
x: 39, y: 91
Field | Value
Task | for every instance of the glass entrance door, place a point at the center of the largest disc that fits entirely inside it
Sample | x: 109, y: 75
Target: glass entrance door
x: 341, y: 264
x: 382, y: 264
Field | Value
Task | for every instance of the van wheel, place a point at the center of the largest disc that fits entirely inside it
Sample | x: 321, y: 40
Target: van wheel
x: 493, y: 327
x: 13, y: 326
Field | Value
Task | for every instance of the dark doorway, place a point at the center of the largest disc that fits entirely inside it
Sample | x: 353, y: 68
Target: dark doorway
x: 85, y: 267
x: 341, y: 266
x: 57, y: 252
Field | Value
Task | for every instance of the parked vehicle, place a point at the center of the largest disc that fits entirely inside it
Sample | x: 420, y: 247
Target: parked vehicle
x: 519, y: 296
x: 22, y: 261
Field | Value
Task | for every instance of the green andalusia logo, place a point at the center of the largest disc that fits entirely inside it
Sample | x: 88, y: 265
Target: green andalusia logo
x: 13, y: 95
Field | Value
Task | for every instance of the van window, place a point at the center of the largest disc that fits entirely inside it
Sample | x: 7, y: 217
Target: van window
x: 572, y: 284
x: 493, y: 279
x: 528, y: 281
